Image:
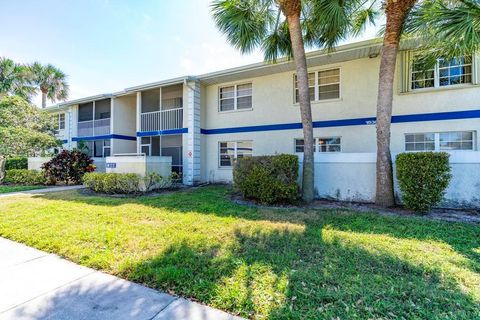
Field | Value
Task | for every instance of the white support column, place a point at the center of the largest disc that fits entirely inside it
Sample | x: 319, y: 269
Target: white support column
x: 112, y: 123
x: 93, y: 122
x: 138, y: 126
x: 191, y: 164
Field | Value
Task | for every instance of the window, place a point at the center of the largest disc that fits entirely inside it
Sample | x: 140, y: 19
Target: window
x: 106, y: 148
x: 236, y: 97
x: 98, y: 148
x: 329, y: 84
x: 440, y: 141
x: 420, y: 142
x: 311, y: 86
x: 61, y: 121
x: 329, y: 144
x: 326, y: 144
x: 322, y: 85
x: 456, y: 140
x: 445, y: 73
x: 229, y: 151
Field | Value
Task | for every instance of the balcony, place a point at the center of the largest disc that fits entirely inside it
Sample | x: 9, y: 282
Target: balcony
x: 94, y: 127
x: 162, y: 120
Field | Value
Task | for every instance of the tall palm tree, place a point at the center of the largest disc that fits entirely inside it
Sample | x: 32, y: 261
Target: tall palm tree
x: 284, y: 27
x: 445, y: 29
x: 15, y: 79
x: 51, y: 82
x: 396, y: 13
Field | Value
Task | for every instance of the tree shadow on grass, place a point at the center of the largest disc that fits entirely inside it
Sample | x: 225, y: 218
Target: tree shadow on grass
x: 463, y: 238
x: 311, y: 274
x: 313, y: 263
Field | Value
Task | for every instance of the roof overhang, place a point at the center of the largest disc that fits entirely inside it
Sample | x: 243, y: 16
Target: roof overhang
x: 342, y: 53
x: 66, y: 104
x: 358, y: 50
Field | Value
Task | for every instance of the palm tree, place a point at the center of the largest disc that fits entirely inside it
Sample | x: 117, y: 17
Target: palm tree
x: 284, y: 27
x: 396, y: 13
x: 15, y: 79
x: 446, y: 29
x: 51, y: 82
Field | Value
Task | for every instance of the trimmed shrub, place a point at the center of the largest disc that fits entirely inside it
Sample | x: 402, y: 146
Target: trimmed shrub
x: 267, y: 179
x: 113, y: 183
x: 25, y: 177
x: 124, y: 183
x: 68, y: 166
x: 423, y: 178
x: 16, y: 163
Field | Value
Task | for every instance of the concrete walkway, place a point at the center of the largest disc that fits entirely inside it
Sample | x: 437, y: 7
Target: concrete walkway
x: 38, y: 285
x: 41, y: 191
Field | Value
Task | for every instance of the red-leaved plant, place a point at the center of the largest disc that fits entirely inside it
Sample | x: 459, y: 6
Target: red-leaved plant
x: 68, y: 166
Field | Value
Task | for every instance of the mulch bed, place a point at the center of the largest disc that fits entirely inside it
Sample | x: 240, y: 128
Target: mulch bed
x: 444, y: 214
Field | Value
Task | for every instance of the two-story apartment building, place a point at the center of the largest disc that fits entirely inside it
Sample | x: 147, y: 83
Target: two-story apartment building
x: 205, y: 122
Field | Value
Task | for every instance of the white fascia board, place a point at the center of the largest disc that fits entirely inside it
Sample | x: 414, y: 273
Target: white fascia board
x: 66, y: 104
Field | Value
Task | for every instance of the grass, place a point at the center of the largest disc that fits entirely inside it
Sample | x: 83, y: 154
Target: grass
x: 12, y: 188
x: 262, y: 263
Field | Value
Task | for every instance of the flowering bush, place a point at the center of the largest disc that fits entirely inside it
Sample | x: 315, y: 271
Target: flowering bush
x: 68, y: 166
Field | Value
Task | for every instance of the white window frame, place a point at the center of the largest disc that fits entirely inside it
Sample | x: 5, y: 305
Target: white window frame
x: 317, y: 84
x: 436, y: 76
x: 437, y: 141
x: 235, y: 97
x: 235, y: 152
x: 60, y: 121
x: 316, y: 145
x: 149, y: 145
x: 106, y: 147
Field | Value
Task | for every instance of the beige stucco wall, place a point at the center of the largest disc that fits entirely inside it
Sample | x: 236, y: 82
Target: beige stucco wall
x: 273, y: 104
x: 123, y: 123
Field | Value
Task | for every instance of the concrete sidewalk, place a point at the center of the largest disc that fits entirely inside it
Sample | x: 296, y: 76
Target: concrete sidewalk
x: 42, y: 191
x: 38, y: 285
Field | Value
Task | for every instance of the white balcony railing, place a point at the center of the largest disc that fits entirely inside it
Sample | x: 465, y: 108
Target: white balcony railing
x: 162, y: 120
x: 94, y: 127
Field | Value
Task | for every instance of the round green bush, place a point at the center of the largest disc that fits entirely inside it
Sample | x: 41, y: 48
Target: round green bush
x: 423, y: 178
x: 16, y: 163
x: 267, y: 179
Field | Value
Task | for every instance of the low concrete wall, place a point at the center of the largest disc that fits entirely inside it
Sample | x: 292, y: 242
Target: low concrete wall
x: 351, y: 177
x: 140, y: 165
x: 35, y: 163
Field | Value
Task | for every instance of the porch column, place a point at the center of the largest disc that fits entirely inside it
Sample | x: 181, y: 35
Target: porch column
x: 138, y: 114
x: 112, y: 123
x: 191, y: 163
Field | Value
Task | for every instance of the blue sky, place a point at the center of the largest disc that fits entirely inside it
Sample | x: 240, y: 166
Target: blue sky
x: 107, y: 45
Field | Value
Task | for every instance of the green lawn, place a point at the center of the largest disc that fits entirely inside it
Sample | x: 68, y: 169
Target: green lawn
x: 262, y: 263
x: 9, y: 188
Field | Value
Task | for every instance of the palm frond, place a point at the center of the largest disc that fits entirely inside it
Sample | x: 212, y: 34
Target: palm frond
x: 446, y: 28
x: 245, y: 23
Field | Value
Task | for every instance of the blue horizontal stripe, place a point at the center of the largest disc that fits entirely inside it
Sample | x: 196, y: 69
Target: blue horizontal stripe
x: 64, y: 141
x: 161, y: 132
x: 469, y: 114
x: 107, y: 136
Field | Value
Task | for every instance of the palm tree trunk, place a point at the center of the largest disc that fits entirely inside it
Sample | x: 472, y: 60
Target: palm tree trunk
x: 396, y: 11
x: 44, y: 99
x: 292, y: 10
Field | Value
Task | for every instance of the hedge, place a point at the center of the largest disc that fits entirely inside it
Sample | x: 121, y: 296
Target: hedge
x: 267, y: 179
x: 124, y: 183
x: 25, y: 177
x: 423, y: 178
x: 16, y: 163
